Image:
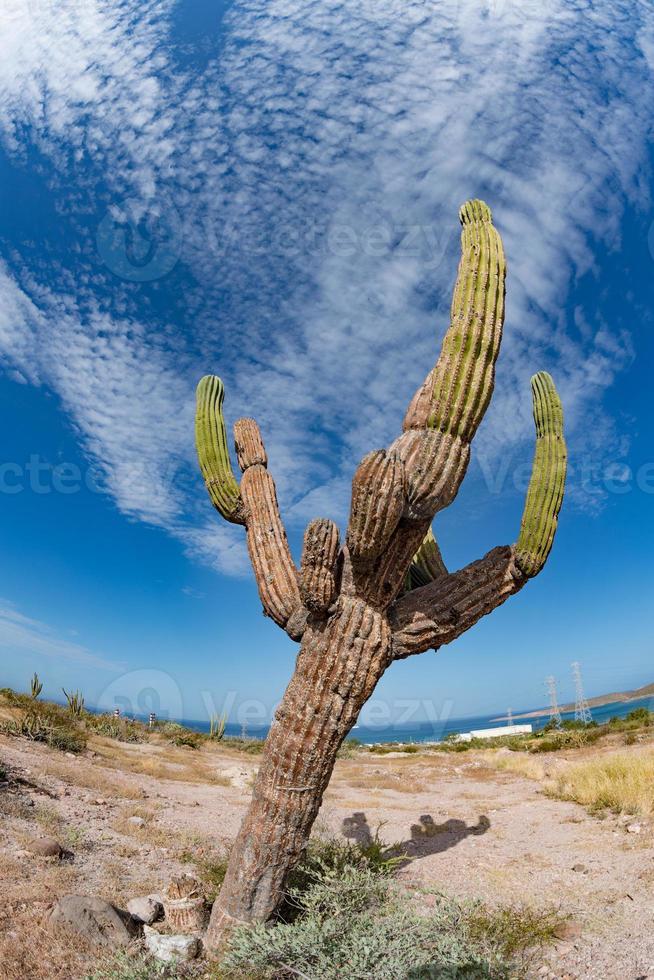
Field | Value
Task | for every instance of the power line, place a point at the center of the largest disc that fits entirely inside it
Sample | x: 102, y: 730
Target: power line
x: 582, y: 711
x: 555, y: 711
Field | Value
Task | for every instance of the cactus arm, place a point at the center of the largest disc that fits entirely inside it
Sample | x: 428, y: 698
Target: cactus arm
x: 427, y: 564
x: 431, y: 616
x: 456, y: 393
x: 213, y: 454
x: 438, y: 613
x: 547, y: 484
x: 434, y: 447
x: 276, y: 575
x: 378, y: 499
x: 445, y: 412
x: 319, y: 567
x: 254, y: 504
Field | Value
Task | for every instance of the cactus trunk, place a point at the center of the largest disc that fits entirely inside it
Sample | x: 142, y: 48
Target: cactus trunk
x: 339, y: 664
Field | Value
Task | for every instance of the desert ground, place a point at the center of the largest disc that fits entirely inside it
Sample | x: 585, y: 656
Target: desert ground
x: 132, y: 815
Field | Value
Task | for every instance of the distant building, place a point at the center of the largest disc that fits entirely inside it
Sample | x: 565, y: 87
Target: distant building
x: 494, y: 732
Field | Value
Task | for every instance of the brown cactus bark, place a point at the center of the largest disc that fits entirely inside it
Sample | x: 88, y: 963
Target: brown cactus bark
x: 386, y: 594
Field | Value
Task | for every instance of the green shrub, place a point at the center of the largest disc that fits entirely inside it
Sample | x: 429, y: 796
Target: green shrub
x: 40, y: 727
x: 641, y: 715
x: 124, y: 966
x: 75, y: 702
x: 35, y: 686
x: 358, y: 925
x: 121, y: 729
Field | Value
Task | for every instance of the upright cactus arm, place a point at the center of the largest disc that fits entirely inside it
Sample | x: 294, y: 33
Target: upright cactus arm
x: 253, y: 504
x: 438, y: 613
x: 445, y: 412
x: 276, y: 575
x: 213, y: 454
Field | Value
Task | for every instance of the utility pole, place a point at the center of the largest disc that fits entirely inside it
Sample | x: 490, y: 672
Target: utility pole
x: 555, y: 711
x: 582, y: 711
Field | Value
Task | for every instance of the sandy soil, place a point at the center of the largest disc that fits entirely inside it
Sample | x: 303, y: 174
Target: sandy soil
x: 472, y: 831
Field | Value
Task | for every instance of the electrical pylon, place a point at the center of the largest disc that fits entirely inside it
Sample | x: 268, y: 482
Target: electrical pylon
x: 555, y: 711
x: 582, y: 711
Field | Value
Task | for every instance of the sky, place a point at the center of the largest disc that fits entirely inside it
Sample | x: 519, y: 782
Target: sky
x: 268, y: 191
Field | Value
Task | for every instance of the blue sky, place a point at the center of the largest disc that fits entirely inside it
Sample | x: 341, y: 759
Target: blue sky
x: 269, y: 191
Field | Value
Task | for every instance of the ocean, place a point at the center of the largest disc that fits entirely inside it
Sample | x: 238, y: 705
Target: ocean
x: 426, y: 731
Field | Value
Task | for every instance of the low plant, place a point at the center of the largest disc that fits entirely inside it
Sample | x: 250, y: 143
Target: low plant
x: 35, y: 686
x: 128, y: 966
x: 217, y: 727
x: 75, y: 702
x: 121, y: 729
x: 40, y: 726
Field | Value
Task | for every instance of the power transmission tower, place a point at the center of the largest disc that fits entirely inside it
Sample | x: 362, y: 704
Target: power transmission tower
x: 555, y: 711
x: 509, y: 717
x: 582, y: 711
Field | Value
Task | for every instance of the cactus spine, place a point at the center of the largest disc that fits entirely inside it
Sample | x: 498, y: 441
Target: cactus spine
x: 384, y: 594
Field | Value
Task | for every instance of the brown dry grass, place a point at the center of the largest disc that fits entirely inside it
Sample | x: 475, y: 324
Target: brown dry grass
x: 161, y: 761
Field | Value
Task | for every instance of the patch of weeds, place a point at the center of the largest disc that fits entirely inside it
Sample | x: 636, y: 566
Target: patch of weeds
x: 124, y: 966
x: 120, y: 729
x: 43, y: 721
x: 182, y: 737
x: 211, y: 871
x: 514, y: 931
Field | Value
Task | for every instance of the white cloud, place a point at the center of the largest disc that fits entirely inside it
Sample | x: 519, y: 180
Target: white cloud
x: 20, y: 634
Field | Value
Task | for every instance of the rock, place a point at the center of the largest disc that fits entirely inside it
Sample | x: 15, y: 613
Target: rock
x: 580, y: 869
x: 567, y: 930
x: 97, y: 921
x: 136, y: 821
x: 634, y: 828
x: 46, y: 847
x: 171, y: 949
x: 70, y: 755
x: 147, y: 909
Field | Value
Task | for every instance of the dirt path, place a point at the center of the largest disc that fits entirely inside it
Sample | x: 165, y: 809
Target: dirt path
x: 471, y: 831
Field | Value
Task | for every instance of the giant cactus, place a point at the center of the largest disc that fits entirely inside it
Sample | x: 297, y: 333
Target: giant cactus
x: 383, y: 593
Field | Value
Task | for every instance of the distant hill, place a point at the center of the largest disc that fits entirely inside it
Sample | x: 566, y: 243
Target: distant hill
x: 640, y: 692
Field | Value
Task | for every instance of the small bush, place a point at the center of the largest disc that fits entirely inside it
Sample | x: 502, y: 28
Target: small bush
x: 124, y: 966
x: 43, y: 726
x: 121, y: 729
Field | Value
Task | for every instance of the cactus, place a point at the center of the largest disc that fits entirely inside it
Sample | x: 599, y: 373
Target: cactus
x: 217, y: 727
x: 75, y: 702
x: 35, y: 686
x: 385, y: 593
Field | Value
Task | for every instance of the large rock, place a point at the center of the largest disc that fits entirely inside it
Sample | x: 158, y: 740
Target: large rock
x: 147, y: 909
x: 45, y: 847
x: 171, y: 949
x: 97, y: 921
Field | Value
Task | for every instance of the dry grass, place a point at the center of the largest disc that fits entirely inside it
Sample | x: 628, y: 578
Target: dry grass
x: 519, y: 764
x: 161, y: 761
x: 27, y: 950
x: 619, y: 781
